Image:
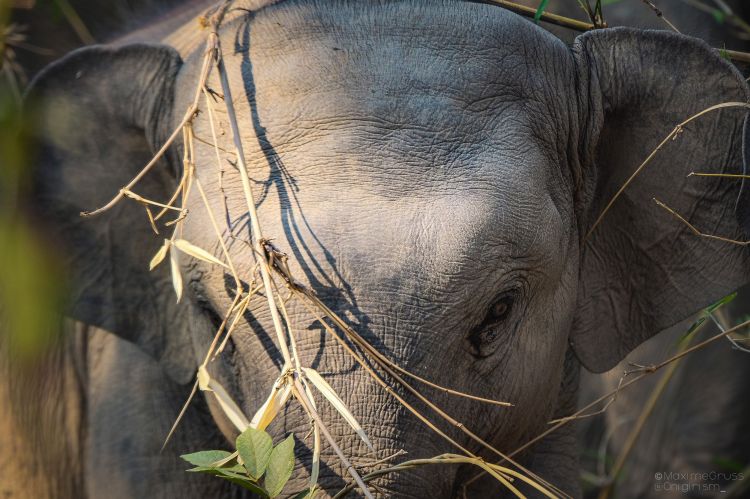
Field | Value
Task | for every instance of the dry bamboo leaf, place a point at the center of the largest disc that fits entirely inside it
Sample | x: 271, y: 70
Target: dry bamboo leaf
x: 203, y: 379
x: 197, y: 252
x: 330, y: 394
x: 271, y: 407
x: 176, y: 276
x: 151, y: 219
x: 230, y: 408
x: 159, y: 256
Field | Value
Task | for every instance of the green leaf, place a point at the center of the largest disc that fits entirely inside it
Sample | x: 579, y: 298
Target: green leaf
x: 255, y: 448
x: 280, y: 466
x: 692, y: 329
x: 305, y: 494
x: 238, y: 479
x: 235, y: 468
x: 721, y: 302
x: 206, y: 458
x: 540, y: 10
x: 705, y: 315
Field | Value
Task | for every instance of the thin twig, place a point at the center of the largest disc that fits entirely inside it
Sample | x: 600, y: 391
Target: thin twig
x: 660, y: 15
x: 696, y: 231
x: 646, y: 412
x: 558, y: 20
x: 179, y: 416
x: 257, y: 234
x: 672, y: 135
x: 735, y: 55
x: 595, y: 413
x: 720, y: 320
x: 727, y: 175
x: 393, y: 456
x: 189, y: 115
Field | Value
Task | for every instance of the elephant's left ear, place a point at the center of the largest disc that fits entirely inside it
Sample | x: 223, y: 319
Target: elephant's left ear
x: 101, y: 112
x: 643, y: 269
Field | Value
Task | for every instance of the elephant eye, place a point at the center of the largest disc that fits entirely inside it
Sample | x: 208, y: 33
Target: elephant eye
x: 501, y: 309
x: 482, y: 339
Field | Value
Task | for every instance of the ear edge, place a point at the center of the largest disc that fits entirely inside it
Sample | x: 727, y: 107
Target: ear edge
x: 75, y: 68
x: 587, y: 347
x: 103, y: 86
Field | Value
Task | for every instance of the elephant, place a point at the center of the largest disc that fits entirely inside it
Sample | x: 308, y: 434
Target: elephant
x: 438, y: 173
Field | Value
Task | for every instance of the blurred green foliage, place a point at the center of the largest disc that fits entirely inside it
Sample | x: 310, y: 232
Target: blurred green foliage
x: 30, y: 276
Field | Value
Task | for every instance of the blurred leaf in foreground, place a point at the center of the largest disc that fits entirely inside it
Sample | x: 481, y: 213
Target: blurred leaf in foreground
x: 30, y: 277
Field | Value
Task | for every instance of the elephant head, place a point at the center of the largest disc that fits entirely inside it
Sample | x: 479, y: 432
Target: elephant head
x: 432, y: 170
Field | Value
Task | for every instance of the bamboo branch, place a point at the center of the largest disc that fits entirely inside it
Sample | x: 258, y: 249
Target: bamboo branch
x: 583, y: 26
x: 565, y: 22
x: 257, y: 234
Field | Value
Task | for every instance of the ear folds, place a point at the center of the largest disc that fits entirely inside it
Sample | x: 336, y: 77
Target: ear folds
x: 642, y: 269
x: 101, y: 113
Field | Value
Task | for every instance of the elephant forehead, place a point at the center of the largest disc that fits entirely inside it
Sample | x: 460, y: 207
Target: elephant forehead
x: 361, y: 92
x: 442, y: 236
x: 447, y: 68
x: 377, y: 125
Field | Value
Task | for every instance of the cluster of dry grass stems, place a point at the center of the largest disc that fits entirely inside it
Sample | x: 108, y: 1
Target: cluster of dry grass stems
x: 271, y: 276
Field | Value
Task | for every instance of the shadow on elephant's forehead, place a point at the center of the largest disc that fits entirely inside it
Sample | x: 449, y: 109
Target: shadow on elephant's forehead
x: 439, y: 68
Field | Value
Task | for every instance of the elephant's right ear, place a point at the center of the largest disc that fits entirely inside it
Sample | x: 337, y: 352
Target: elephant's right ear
x: 643, y: 269
x: 100, y: 113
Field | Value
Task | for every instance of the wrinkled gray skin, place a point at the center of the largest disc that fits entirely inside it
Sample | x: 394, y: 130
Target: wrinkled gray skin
x: 420, y: 163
